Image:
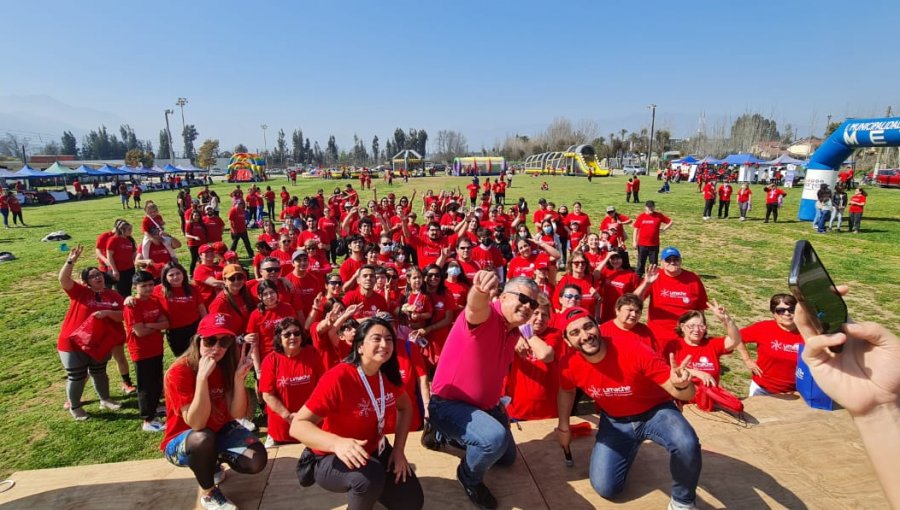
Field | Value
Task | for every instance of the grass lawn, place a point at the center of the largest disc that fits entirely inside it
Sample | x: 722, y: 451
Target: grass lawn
x: 742, y: 264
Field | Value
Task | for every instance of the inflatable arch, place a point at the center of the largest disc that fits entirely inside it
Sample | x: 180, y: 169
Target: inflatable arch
x: 246, y: 167
x: 826, y: 161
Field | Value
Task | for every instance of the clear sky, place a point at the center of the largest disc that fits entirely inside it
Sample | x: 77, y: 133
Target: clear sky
x: 485, y: 68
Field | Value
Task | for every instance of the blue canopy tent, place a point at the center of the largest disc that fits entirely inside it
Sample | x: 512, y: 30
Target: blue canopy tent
x: 190, y: 168
x: 7, y: 174
x: 709, y: 160
x: 130, y: 170
x: 741, y: 159
x: 26, y: 172
x: 111, y: 170
x: 95, y: 172
x: 172, y: 169
x: 687, y: 160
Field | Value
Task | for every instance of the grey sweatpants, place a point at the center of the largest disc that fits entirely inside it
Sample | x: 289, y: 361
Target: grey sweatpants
x: 78, y: 365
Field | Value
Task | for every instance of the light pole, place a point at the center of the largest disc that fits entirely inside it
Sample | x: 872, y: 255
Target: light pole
x: 265, y: 145
x: 652, y: 125
x: 180, y: 103
x: 169, y: 134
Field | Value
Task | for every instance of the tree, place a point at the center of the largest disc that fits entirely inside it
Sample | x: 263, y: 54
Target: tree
x: 164, y: 145
x: 240, y: 148
x: 148, y: 159
x: 421, y: 142
x: 331, y: 150
x: 280, y: 147
x: 133, y: 157
x: 297, y: 146
x: 375, y: 148
x: 51, y: 148
x: 206, y: 157
x: 189, y: 134
x: 399, y: 140
x: 69, y: 144
x: 129, y: 138
x: 830, y: 128
x: 749, y: 129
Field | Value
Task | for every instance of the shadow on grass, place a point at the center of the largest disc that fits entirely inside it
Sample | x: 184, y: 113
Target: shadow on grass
x: 877, y: 218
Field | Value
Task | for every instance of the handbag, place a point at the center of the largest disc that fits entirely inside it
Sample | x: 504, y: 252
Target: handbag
x: 710, y: 397
x: 306, y: 468
x: 96, y: 338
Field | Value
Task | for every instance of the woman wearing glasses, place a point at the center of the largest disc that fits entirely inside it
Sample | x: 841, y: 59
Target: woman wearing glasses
x: 205, y: 396
x: 287, y: 378
x: 704, y: 351
x: 578, y: 273
x: 777, y: 343
x: 345, y: 420
x: 263, y: 320
x: 235, y: 299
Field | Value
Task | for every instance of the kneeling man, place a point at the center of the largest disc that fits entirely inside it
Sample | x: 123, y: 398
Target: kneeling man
x: 634, y: 390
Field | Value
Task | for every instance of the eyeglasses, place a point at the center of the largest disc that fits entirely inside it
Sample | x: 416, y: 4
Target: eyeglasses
x: 782, y: 311
x: 673, y: 260
x: 235, y: 278
x: 386, y: 244
x: 578, y: 262
x: 695, y: 326
x: 525, y: 300
x: 285, y: 241
x: 334, y: 283
x: 432, y: 275
x: 464, y: 248
x: 223, y: 341
x: 571, y: 296
x: 292, y: 334
x: 271, y: 269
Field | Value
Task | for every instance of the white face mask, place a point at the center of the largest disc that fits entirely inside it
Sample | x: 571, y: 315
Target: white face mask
x: 400, y: 257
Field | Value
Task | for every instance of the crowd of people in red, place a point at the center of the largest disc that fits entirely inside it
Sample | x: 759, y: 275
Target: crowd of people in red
x: 339, y: 295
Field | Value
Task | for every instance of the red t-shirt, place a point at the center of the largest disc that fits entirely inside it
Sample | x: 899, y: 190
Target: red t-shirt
x: 670, y: 297
x: 239, y: 311
x: 328, y: 229
x: 626, y: 382
x: 459, y: 291
x: 639, y: 334
x: 488, y: 259
x: 180, y: 385
x: 349, y: 267
x: 214, y: 228
x: 521, y: 266
x: 616, y: 228
x: 122, y: 251
x: 82, y: 303
x: 181, y: 309
x: 704, y: 357
x: 306, y: 288
x: 196, y: 230
x: 473, y: 190
x: 238, y: 221
x: 342, y: 400
x: 150, y: 222
x: 725, y: 193
x: 533, y: 384
x: 615, y: 285
x: 776, y: 355
x: 201, y: 274
x: 270, y: 196
x: 264, y: 324
x: 370, y: 304
x: 144, y: 311
x: 709, y: 191
x: 588, y: 300
x: 292, y: 380
x: 648, y: 226
x: 102, y: 241
x: 329, y: 353
x: 773, y: 194
x: 579, y: 224
x: 857, y: 203
x: 412, y: 367
x: 744, y: 195
x: 427, y: 250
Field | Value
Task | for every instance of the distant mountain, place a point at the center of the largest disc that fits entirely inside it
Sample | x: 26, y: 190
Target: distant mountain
x: 41, y: 117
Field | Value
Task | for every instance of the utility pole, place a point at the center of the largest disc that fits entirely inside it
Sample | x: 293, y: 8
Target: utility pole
x: 265, y: 144
x: 652, y: 125
x: 180, y: 103
x: 169, y: 133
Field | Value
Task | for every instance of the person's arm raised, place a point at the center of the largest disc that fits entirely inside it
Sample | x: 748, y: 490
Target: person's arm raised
x: 65, y: 273
x: 478, y: 309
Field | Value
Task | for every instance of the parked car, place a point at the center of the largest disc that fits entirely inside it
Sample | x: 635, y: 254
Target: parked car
x: 215, y: 172
x: 886, y: 178
x: 634, y: 170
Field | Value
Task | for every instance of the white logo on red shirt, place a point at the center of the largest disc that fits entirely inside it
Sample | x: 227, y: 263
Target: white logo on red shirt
x: 703, y: 363
x: 364, y: 407
x: 675, y: 294
x: 618, y: 391
x: 296, y: 380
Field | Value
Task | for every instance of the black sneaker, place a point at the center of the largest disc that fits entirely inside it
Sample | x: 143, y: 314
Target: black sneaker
x: 479, y: 494
x: 429, y: 438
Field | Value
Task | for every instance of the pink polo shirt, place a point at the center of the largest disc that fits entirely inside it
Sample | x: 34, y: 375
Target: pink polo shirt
x: 475, y: 360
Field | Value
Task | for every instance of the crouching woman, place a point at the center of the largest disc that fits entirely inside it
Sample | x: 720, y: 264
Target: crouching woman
x: 205, y: 395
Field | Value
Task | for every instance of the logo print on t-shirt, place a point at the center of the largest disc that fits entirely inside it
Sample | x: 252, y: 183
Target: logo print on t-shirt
x: 703, y: 363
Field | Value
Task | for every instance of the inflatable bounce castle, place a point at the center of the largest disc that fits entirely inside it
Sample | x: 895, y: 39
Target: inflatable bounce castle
x: 246, y: 167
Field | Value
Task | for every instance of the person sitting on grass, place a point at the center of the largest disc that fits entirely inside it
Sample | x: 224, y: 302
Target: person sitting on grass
x: 205, y: 396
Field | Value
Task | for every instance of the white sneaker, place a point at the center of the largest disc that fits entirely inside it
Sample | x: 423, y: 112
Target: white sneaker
x: 247, y: 424
x: 219, y: 475
x: 110, y: 404
x: 269, y: 442
x: 152, y: 426
x: 674, y: 505
x: 78, y: 413
x: 215, y: 500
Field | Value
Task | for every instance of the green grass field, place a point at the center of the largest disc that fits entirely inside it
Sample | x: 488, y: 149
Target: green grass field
x: 742, y: 264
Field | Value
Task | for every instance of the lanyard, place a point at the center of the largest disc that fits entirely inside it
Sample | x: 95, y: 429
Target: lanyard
x: 379, y: 410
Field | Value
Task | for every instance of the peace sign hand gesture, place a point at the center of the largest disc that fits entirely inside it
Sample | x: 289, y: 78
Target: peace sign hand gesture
x: 679, y: 376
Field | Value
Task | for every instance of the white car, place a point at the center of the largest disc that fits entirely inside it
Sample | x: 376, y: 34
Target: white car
x: 634, y: 170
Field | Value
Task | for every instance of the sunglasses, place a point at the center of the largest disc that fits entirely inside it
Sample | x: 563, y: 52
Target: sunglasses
x: 334, y: 283
x: 292, y: 334
x: 223, y: 341
x: 235, y: 278
x: 578, y: 262
x: 464, y: 248
x: 782, y: 311
x: 433, y: 275
x: 271, y: 269
x: 673, y: 260
x: 572, y: 296
x: 526, y: 300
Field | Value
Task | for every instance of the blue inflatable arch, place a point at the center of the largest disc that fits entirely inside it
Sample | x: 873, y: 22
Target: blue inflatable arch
x: 826, y: 161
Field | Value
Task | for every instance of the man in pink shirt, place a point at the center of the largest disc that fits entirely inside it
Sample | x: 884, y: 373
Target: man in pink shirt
x: 465, y: 395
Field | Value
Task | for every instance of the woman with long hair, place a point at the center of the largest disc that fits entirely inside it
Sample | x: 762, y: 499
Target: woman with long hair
x: 120, y: 254
x: 157, y: 249
x: 618, y: 279
x: 196, y: 233
x: 88, y: 300
x: 444, y: 308
x: 287, y: 378
x: 205, y: 398
x: 261, y: 324
x: 182, y: 304
x: 234, y: 299
x: 416, y: 303
x: 578, y: 273
x: 344, y: 421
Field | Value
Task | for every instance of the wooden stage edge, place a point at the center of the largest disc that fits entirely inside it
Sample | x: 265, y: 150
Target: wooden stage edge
x: 785, y: 456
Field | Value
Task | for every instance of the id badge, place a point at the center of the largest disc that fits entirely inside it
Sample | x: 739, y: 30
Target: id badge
x: 381, y: 445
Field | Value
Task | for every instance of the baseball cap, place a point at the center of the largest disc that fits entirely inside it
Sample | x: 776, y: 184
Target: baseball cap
x: 232, y: 269
x: 219, y: 247
x: 205, y: 248
x: 215, y: 324
x: 299, y: 253
x: 670, y: 251
x: 610, y: 209
x: 230, y: 256
x: 573, y: 314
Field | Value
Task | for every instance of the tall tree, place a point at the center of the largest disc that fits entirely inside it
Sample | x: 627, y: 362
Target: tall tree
x: 129, y: 138
x: 297, y: 146
x: 163, y: 152
x: 240, y: 148
x: 133, y: 157
x: 375, y: 148
x: 51, y: 148
x: 749, y: 129
x: 208, y: 153
x: 189, y: 134
x: 280, y: 147
x: 421, y: 142
x: 307, y: 152
x: 331, y: 150
x: 69, y: 144
x: 399, y: 140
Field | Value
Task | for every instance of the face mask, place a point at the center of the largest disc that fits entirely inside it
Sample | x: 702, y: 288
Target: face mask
x: 400, y: 257
x: 548, y: 230
x: 386, y: 249
x: 453, y: 271
x: 486, y: 242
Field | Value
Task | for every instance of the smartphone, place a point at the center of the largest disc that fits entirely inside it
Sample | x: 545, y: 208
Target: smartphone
x: 812, y: 286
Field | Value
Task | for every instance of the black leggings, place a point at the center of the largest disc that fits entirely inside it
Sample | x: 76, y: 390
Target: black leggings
x: 773, y: 210
x: 369, y: 484
x: 195, y: 257
x: 17, y: 217
x: 708, y: 207
x: 123, y: 285
x: 203, y: 459
x: 723, y: 207
x: 149, y: 385
x: 645, y: 253
x: 270, y: 208
x: 180, y: 338
x: 237, y: 237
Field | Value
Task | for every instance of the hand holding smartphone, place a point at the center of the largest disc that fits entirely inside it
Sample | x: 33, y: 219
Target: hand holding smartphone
x: 811, y: 284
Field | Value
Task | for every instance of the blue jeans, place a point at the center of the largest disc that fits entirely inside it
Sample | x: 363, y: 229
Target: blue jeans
x: 617, y: 445
x: 485, y: 434
x: 821, y: 219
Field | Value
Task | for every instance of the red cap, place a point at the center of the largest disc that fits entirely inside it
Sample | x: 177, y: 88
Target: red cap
x: 230, y: 255
x: 220, y: 247
x: 217, y: 324
x: 573, y: 314
x: 205, y: 248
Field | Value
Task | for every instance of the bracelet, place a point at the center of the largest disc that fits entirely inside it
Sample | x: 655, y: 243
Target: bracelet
x: 70, y: 262
x: 681, y: 389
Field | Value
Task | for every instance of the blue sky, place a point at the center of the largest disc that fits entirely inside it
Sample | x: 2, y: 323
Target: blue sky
x: 486, y: 68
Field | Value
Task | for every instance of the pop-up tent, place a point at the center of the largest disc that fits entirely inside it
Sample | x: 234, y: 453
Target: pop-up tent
x: 687, y: 160
x: 64, y: 170
x: 784, y: 159
x: 741, y: 159
x: 171, y: 169
x: 26, y: 172
x: 189, y: 168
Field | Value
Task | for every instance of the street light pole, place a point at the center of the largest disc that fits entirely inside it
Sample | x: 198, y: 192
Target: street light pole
x: 265, y: 144
x: 652, y: 125
x: 180, y: 103
x: 169, y: 134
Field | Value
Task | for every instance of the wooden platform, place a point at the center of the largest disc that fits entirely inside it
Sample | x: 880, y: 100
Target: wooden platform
x: 786, y: 456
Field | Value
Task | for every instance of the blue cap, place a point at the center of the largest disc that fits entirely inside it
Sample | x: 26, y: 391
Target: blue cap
x: 670, y: 251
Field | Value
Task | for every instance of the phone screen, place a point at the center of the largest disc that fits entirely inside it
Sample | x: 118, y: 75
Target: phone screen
x: 810, y: 283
